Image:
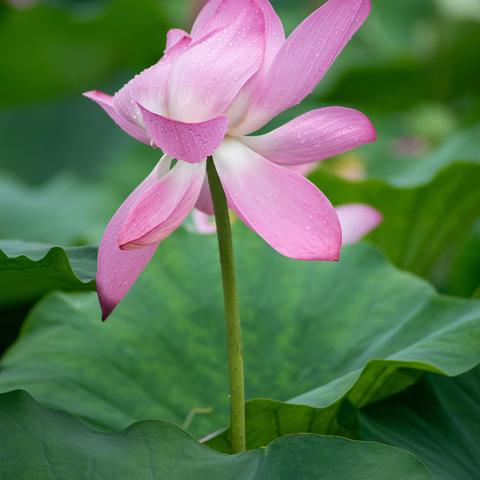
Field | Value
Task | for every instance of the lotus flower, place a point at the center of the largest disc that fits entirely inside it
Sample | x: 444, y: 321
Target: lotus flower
x: 233, y: 73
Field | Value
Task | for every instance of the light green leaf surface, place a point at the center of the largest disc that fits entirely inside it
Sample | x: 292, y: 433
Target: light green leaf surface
x: 28, y: 270
x: 402, y: 155
x: 52, y: 444
x: 420, y: 223
x: 64, y: 211
x: 75, y: 49
x: 437, y: 420
x: 358, y: 329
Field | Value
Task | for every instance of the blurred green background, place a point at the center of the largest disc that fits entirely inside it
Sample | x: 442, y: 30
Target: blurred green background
x: 413, y: 68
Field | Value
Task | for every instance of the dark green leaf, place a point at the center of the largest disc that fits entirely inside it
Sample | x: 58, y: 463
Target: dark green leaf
x: 437, y: 420
x: 464, y: 277
x: 28, y: 270
x: 358, y: 329
x: 51, y: 444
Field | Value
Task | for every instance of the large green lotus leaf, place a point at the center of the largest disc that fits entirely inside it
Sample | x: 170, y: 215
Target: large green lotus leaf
x: 88, y: 145
x: 268, y: 419
x: 53, y: 444
x: 421, y: 223
x: 464, y: 278
x: 84, y: 145
x: 437, y: 420
x: 412, y: 147
x: 28, y: 270
x: 358, y: 328
x: 63, y: 211
x: 386, y: 160
x: 75, y: 49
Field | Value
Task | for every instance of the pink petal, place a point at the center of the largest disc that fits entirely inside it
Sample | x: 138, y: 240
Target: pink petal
x: 282, y: 206
x: 148, y: 88
x: 201, y: 25
x: 357, y: 220
x: 205, y: 79
x: 274, y: 32
x: 204, y: 202
x: 305, y: 58
x: 220, y: 13
x: 105, y: 101
x: 118, y: 269
x: 274, y: 39
x: 175, y: 35
x: 163, y: 207
x: 203, y: 223
x: 314, y: 136
x: 191, y: 142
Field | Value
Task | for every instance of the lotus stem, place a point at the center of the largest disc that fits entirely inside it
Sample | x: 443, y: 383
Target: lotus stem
x: 232, y: 316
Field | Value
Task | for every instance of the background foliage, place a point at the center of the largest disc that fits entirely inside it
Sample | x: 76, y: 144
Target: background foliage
x: 331, y: 349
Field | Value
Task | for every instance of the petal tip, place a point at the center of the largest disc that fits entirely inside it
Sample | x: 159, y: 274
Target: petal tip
x: 105, y: 314
x: 336, y: 251
x: 95, y: 95
x: 106, y: 305
x: 372, y: 132
x: 369, y: 130
x: 378, y: 216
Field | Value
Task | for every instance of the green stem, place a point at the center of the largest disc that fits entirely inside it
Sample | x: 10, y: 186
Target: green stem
x: 232, y: 317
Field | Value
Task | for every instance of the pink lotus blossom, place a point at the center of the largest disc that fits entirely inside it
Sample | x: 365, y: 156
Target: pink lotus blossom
x: 233, y: 73
x: 356, y: 220
x: 201, y: 223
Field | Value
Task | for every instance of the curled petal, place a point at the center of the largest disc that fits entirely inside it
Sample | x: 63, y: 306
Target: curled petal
x: 163, y: 207
x: 282, y: 206
x: 205, y: 78
x: 314, y: 136
x: 174, y: 36
x: 190, y: 142
x: 304, y: 59
x: 149, y: 88
x: 118, y: 269
x: 106, y: 102
x: 357, y: 220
